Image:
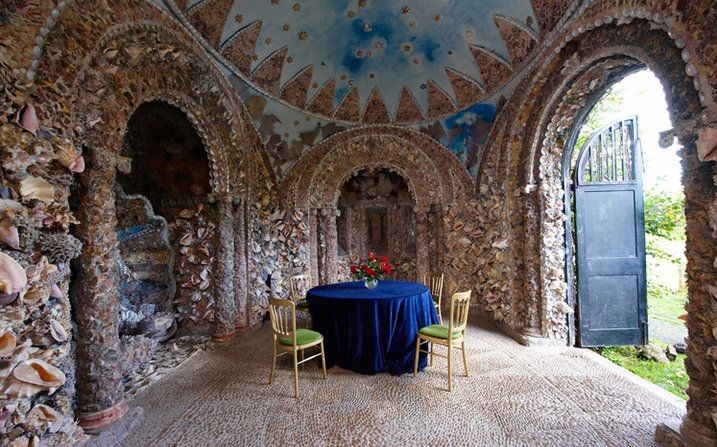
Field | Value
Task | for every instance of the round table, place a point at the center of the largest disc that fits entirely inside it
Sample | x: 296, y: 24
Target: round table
x: 371, y: 330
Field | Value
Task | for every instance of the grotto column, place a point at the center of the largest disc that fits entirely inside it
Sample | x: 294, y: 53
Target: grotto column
x: 422, y: 244
x: 226, y: 311
x: 699, y: 424
x: 96, y: 297
x: 314, y: 244
x: 349, y: 229
x: 331, y: 247
x: 240, y: 263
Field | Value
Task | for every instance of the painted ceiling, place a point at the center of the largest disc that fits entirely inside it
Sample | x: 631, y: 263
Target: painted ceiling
x: 309, y: 68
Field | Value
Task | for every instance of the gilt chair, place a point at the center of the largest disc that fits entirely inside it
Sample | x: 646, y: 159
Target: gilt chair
x: 290, y: 340
x: 434, y: 282
x: 300, y: 284
x: 438, y: 334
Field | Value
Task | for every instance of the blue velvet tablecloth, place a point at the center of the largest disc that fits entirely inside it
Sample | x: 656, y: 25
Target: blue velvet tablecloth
x: 371, y: 330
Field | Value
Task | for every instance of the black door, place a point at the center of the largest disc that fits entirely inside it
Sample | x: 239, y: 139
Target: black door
x: 610, y: 223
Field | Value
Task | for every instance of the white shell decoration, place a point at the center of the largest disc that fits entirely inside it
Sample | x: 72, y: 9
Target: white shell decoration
x: 56, y: 291
x: 68, y: 157
x: 27, y: 119
x: 8, y: 342
x: 9, y: 234
x: 43, y: 415
x: 12, y: 275
x: 21, y: 390
x: 34, y: 295
x: 186, y: 239
x: 37, y: 188
x: 57, y: 331
x: 10, y: 205
x: 40, y: 373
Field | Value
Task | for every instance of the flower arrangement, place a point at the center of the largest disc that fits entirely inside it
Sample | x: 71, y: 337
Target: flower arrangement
x: 372, y: 268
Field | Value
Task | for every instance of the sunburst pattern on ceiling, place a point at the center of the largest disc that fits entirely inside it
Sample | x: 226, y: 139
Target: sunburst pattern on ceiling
x: 364, y: 61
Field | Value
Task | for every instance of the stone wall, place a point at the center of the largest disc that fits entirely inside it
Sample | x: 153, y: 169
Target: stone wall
x: 601, y: 42
x: 72, y: 76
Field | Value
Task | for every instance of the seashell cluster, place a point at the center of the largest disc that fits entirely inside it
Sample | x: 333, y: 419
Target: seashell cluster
x: 35, y: 401
x: 194, y: 234
x: 59, y: 248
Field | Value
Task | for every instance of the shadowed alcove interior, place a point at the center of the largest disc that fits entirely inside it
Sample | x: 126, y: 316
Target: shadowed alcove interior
x: 376, y: 214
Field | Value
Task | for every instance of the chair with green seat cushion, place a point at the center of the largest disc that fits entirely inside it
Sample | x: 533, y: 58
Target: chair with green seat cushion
x: 300, y: 284
x: 437, y: 334
x: 288, y: 339
x: 303, y: 337
x: 438, y: 331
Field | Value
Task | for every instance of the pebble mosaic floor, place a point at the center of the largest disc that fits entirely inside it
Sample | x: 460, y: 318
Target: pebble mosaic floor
x: 514, y: 396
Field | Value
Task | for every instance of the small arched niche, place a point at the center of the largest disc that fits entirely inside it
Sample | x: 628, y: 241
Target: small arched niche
x: 167, y: 171
x: 376, y: 213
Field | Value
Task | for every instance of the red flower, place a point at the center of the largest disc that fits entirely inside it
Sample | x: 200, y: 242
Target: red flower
x: 369, y: 271
x: 371, y: 256
x: 384, y: 259
x: 354, y: 269
x: 387, y: 268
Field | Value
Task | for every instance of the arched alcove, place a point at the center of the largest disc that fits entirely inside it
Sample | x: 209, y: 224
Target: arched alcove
x: 376, y: 214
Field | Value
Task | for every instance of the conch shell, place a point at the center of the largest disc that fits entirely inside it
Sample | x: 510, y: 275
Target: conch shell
x: 43, y: 415
x: 8, y: 341
x: 18, y: 389
x: 707, y: 144
x: 9, y: 234
x: 12, y: 276
x: 40, y: 373
x: 186, y: 239
x: 68, y: 157
x: 57, y: 331
x: 37, y: 188
x: 27, y: 119
x: 34, y: 296
x: 56, y: 291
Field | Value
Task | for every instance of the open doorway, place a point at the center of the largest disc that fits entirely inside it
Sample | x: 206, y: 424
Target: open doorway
x: 639, y: 246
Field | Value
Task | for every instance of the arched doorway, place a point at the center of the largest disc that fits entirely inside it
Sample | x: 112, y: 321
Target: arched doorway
x: 656, y: 237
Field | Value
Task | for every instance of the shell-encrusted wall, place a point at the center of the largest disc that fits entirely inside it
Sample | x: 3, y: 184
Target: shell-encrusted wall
x: 72, y: 74
x: 600, y: 43
x: 37, y: 370
x: 194, y: 233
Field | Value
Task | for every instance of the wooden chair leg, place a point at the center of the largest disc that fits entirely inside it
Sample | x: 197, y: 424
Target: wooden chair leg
x: 296, y: 376
x: 465, y: 362
x: 415, y: 360
x: 273, y: 363
x: 450, y: 370
x: 430, y: 361
x: 323, y: 359
x: 303, y: 351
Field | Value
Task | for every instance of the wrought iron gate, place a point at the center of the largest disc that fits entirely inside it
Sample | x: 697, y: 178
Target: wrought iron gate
x: 610, y: 224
